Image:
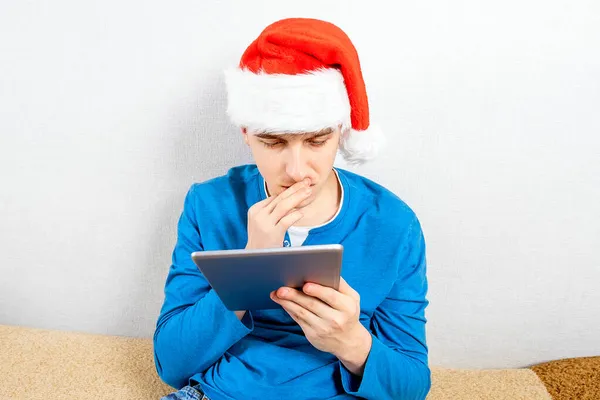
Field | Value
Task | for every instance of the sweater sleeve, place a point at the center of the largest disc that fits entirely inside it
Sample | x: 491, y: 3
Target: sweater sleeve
x: 397, y: 365
x: 194, y: 328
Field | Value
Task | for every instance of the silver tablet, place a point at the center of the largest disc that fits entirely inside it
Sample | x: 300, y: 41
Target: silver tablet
x: 244, y: 279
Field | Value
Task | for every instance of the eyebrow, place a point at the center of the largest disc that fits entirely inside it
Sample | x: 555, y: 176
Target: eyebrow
x: 311, y: 135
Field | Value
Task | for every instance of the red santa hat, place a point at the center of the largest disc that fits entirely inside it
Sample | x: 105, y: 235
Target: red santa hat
x: 303, y: 75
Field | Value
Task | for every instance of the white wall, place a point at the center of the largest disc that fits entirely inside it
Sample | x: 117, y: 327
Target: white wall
x: 110, y: 110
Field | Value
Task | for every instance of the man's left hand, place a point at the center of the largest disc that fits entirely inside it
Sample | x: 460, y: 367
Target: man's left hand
x: 330, y: 321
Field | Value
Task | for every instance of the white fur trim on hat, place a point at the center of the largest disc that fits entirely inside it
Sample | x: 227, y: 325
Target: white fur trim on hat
x: 358, y: 147
x: 299, y: 103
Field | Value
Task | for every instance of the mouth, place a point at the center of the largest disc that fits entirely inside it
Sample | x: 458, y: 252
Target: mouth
x: 287, y: 187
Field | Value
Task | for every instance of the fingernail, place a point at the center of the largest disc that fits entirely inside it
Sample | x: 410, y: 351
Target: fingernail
x: 283, y: 292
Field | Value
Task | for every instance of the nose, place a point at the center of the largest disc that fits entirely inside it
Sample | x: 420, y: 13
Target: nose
x: 296, y: 165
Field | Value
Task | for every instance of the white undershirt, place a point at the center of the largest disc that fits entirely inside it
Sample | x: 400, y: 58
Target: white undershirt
x: 298, y: 234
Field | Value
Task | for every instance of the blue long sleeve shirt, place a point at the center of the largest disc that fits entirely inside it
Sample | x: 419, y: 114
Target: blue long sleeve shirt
x: 266, y: 355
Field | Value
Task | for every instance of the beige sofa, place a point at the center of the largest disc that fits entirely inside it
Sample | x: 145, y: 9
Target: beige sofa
x: 44, y: 364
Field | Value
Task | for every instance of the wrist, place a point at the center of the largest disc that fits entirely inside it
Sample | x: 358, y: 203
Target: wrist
x: 355, y: 353
x: 240, y: 314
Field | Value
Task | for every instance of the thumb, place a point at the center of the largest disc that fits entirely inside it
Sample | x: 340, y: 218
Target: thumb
x: 347, y: 289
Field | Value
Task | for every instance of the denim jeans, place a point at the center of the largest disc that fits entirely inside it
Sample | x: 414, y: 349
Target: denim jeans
x: 187, y: 393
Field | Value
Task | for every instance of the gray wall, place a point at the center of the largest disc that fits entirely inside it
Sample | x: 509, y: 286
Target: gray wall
x: 110, y: 110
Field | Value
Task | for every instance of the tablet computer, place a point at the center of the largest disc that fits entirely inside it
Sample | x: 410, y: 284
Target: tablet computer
x: 244, y: 279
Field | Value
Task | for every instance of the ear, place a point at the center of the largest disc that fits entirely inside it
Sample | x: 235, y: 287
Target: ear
x: 245, y: 134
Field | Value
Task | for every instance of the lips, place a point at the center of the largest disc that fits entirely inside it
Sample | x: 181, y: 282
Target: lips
x: 287, y: 187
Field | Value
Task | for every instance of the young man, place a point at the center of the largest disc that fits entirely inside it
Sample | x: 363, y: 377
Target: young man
x: 299, y: 97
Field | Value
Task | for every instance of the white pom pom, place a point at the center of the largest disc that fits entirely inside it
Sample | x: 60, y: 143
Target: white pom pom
x: 357, y: 147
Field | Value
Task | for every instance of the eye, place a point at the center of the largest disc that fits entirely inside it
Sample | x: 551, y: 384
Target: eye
x: 271, y: 144
x: 317, y: 143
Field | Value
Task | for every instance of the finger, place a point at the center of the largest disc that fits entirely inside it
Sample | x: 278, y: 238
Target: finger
x: 312, y: 304
x: 298, y: 313
x: 287, y: 193
x: 309, y: 330
x: 264, y: 203
x: 290, y: 219
x: 346, y: 289
x: 284, y: 206
x: 328, y: 295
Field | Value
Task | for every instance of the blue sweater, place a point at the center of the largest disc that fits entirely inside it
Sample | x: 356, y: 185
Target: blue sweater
x: 266, y: 355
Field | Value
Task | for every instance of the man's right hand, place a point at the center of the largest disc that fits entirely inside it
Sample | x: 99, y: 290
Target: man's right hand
x: 268, y: 220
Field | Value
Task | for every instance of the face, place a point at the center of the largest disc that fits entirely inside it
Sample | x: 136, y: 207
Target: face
x: 284, y: 159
